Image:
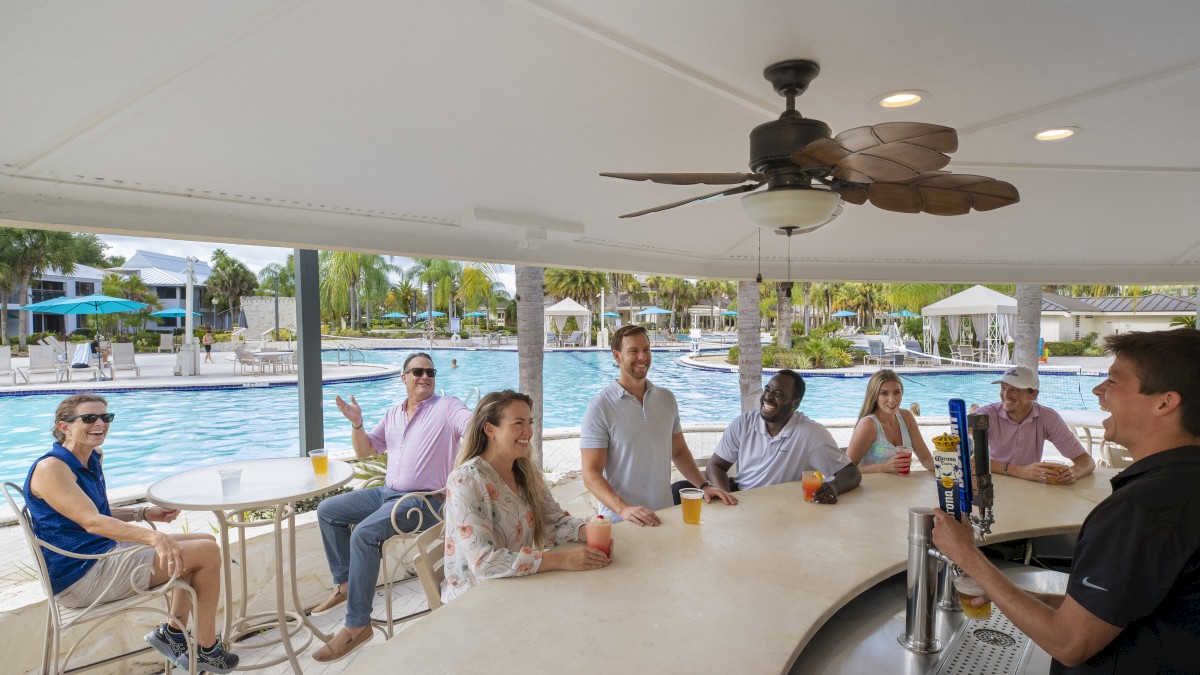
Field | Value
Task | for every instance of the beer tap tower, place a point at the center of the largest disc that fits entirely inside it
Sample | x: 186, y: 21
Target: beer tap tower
x: 964, y: 482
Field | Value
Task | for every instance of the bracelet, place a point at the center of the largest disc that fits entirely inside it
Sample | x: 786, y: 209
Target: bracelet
x: 139, y: 514
x: 1006, y: 468
x: 705, y: 484
x: 356, y: 428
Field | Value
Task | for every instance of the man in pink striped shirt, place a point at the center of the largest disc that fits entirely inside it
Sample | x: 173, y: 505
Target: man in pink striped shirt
x: 420, y: 437
x: 1019, y: 428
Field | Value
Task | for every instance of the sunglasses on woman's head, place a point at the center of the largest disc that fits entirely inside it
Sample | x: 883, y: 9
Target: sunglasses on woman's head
x: 90, y: 418
x: 422, y: 372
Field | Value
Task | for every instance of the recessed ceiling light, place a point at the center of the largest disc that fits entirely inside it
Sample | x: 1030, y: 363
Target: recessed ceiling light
x: 901, y: 99
x: 1056, y: 133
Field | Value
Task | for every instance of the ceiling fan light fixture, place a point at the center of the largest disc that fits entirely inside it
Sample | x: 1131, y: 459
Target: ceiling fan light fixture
x: 1056, y: 133
x: 901, y: 99
x: 791, y: 208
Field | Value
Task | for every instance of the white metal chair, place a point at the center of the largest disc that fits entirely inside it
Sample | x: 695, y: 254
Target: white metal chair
x: 166, y: 341
x: 44, y: 360
x: 430, y: 563
x: 60, y: 619
x: 6, y: 366
x: 122, y: 358
x: 401, y: 549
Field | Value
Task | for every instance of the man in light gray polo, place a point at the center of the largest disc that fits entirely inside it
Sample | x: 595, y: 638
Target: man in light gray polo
x: 777, y: 443
x: 629, y: 437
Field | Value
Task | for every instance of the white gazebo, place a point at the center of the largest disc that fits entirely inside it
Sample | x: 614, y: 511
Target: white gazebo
x: 992, y: 316
x: 566, y: 307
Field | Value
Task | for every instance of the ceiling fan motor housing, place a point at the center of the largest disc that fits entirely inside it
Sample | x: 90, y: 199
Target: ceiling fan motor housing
x: 772, y: 144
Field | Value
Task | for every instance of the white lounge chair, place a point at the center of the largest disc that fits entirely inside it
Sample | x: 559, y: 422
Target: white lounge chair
x: 43, y: 360
x: 6, y: 367
x: 122, y: 358
x: 166, y: 341
x: 575, y: 340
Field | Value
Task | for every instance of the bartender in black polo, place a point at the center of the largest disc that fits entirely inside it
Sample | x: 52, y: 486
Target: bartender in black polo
x: 1133, y: 599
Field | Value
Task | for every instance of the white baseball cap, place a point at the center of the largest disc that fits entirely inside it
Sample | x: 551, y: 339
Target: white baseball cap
x: 1019, y: 377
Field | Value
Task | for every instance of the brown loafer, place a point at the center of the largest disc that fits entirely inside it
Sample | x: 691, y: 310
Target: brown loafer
x: 331, y: 603
x: 340, y: 645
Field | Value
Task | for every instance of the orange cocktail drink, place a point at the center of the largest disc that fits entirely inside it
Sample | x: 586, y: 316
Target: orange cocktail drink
x: 811, y: 482
x: 599, y: 534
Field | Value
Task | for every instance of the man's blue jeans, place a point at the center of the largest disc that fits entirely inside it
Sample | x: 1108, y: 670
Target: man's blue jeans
x: 354, y: 555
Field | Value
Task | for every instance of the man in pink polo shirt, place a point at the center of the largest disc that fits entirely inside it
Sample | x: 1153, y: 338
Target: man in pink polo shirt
x: 1020, y: 426
x: 420, y: 437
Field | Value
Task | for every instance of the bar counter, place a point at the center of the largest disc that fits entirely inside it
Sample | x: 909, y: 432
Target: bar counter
x: 743, y: 592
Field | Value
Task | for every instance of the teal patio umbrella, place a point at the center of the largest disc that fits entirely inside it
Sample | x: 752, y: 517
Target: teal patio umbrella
x: 88, y: 304
x: 425, y: 315
x: 173, y: 313
x: 843, y: 313
x: 904, y: 314
x: 394, y: 315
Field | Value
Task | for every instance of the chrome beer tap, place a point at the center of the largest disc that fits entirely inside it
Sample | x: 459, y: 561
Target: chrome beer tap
x: 931, y: 574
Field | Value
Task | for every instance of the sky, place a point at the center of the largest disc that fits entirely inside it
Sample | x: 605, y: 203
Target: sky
x: 255, y: 257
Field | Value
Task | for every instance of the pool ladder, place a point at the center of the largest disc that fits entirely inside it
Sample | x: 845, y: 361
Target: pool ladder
x: 350, y: 352
x: 473, y: 396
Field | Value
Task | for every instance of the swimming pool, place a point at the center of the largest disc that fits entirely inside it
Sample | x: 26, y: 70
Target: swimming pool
x: 160, y: 433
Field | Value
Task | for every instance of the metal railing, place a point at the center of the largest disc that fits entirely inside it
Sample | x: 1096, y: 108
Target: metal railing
x: 349, y: 352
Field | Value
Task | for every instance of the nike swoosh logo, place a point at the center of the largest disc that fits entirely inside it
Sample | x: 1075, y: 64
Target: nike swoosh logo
x: 1091, y: 585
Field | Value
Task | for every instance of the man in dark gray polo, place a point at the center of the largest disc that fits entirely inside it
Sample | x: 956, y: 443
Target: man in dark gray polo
x: 1133, y: 599
x: 629, y: 437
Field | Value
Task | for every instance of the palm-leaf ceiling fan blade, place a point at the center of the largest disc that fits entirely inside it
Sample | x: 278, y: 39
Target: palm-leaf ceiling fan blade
x: 942, y: 194
x: 690, y: 178
x: 723, y: 193
x: 892, y: 151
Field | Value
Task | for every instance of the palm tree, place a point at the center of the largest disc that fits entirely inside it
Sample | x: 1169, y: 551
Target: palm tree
x: 282, y: 275
x: 783, y: 324
x: 576, y: 284
x: 749, y: 347
x: 230, y: 279
x: 348, y: 280
x: 29, y: 253
x: 530, y: 317
x: 478, y: 286
x: 439, y: 277
x: 131, y: 288
x: 405, y: 294
x: 8, y: 282
x: 1029, y: 325
x: 713, y: 291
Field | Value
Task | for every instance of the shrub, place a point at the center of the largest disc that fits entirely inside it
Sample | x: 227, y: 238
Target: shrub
x: 85, y: 333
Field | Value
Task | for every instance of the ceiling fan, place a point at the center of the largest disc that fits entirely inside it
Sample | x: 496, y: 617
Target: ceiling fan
x: 895, y: 165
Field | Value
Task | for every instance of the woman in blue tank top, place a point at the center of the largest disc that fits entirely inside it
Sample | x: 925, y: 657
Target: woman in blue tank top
x: 884, y: 428
x: 68, y: 507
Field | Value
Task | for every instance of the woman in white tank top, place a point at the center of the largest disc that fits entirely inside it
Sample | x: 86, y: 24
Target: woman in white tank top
x: 884, y: 427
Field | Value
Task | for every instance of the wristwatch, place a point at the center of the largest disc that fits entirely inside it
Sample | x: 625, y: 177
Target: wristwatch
x: 707, y: 483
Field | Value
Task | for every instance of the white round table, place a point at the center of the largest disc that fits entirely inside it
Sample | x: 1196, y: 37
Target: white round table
x: 265, y: 483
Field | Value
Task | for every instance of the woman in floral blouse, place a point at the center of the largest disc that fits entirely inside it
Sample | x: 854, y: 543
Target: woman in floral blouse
x: 500, y: 517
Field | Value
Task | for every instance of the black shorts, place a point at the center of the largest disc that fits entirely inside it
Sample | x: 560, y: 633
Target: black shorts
x: 207, y: 349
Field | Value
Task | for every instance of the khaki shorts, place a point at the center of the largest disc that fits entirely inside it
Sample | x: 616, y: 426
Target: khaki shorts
x: 95, y: 583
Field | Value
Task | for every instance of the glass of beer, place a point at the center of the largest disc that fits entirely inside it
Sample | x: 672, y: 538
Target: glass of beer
x: 691, y: 499
x: 968, y: 590
x: 320, y: 461
x: 599, y: 534
x: 811, y: 482
x: 1052, y: 474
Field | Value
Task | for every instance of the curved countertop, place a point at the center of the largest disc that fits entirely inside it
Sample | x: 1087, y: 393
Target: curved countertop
x: 742, y: 592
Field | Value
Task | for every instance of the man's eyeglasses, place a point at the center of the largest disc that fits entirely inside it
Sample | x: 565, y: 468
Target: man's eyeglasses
x: 90, y: 418
x: 422, y: 372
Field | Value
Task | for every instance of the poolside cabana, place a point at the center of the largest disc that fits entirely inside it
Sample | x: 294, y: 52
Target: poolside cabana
x: 560, y: 311
x: 992, y: 316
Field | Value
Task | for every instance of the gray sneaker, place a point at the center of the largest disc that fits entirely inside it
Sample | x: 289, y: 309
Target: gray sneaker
x: 216, y: 661
x: 173, y: 647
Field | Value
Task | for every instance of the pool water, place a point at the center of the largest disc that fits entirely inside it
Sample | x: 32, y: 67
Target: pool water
x: 160, y: 433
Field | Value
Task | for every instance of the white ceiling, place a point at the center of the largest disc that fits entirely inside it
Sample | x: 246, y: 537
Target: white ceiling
x: 476, y: 129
